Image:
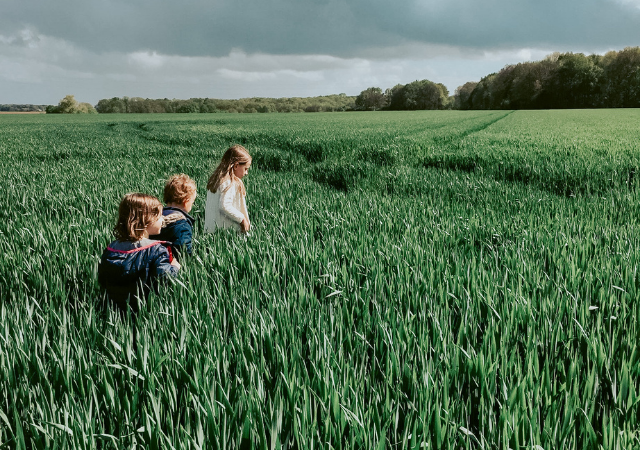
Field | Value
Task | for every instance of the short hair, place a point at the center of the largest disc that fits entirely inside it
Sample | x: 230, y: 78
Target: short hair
x: 179, y: 189
x: 136, y: 212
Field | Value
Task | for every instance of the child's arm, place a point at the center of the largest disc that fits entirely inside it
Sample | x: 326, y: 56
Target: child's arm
x: 245, y: 225
x: 162, y: 265
x: 183, y: 238
x: 226, y: 204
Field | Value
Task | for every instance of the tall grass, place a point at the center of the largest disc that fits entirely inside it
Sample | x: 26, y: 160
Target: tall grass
x: 414, y: 280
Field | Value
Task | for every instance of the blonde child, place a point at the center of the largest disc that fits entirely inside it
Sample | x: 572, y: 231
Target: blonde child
x: 132, y: 265
x: 226, y: 206
x: 177, y: 226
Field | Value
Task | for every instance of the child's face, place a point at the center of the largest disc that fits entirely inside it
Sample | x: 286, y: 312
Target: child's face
x: 155, y: 226
x: 189, y: 203
x: 240, y: 170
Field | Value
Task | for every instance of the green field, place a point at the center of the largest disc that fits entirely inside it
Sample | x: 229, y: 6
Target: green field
x: 442, y: 279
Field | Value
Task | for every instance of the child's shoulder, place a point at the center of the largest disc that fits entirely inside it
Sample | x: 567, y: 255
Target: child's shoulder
x: 121, y: 246
x: 154, y: 249
x: 175, y: 215
x: 131, y: 257
x: 172, y: 216
x: 133, y: 246
x: 225, y: 183
x: 229, y: 183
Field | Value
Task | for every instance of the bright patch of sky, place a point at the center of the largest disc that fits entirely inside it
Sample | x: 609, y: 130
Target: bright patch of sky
x: 634, y: 3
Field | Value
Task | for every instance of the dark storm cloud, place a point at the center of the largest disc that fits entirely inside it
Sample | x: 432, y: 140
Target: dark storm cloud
x: 344, y: 28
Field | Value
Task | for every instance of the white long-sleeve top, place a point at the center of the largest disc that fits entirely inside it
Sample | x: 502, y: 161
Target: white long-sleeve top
x: 226, y: 208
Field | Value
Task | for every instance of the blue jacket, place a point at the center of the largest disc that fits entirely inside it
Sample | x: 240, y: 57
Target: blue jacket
x: 177, y: 229
x: 129, y: 270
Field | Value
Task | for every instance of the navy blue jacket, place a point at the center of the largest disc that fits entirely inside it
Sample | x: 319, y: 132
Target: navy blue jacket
x: 177, y: 229
x: 129, y: 270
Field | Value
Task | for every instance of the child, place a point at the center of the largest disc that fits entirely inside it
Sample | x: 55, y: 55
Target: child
x: 226, y: 206
x: 132, y: 265
x: 177, y: 226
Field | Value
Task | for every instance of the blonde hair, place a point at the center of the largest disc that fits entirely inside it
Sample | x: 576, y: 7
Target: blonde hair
x: 136, y: 212
x: 236, y: 154
x: 179, y: 189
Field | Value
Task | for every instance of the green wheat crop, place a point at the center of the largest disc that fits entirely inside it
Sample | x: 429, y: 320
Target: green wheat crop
x: 413, y: 280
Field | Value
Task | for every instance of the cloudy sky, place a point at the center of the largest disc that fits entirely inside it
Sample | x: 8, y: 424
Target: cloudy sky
x: 180, y: 49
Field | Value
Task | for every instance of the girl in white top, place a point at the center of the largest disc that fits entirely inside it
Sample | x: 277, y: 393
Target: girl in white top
x: 226, y: 206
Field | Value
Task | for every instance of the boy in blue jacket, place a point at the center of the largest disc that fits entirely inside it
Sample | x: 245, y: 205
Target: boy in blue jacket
x: 177, y: 228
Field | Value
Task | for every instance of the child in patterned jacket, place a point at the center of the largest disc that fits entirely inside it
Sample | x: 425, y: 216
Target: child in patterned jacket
x: 177, y: 227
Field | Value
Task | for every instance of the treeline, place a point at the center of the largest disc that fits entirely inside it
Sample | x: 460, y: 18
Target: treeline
x: 562, y: 80
x: 422, y: 94
x: 22, y: 108
x: 328, y: 103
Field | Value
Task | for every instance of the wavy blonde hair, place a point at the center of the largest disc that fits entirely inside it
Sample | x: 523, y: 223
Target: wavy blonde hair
x: 236, y: 154
x: 136, y: 212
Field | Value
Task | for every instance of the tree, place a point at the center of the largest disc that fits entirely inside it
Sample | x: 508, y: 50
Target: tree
x: 112, y: 105
x: 577, y: 81
x: 69, y: 105
x: 85, y: 108
x: 530, y: 80
x: 622, y: 78
x: 463, y: 94
x: 481, y: 97
x: 371, y: 98
x: 395, y: 97
x: 424, y: 94
x: 444, y: 101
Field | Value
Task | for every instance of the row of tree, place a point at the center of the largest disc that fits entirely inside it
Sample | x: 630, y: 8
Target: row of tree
x: 340, y: 102
x: 22, y: 108
x: 562, y: 80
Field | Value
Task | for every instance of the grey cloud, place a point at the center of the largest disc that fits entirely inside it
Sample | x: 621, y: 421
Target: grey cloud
x: 509, y: 23
x: 342, y: 28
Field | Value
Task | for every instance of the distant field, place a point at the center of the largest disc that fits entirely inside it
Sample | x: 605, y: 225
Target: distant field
x: 22, y: 112
x: 445, y: 279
